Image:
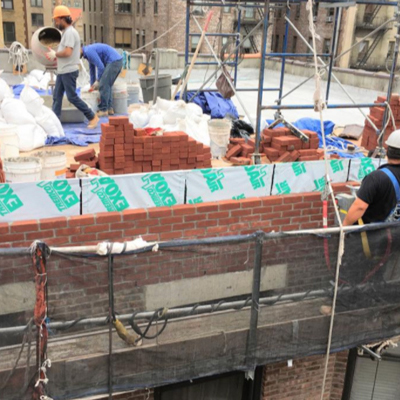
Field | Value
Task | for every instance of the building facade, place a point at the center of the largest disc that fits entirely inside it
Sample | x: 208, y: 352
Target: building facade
x: 1, y: 29
x: 14, y: 22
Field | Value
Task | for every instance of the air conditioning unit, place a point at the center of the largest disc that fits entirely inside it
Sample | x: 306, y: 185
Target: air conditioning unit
x: 315, y: 18
x: 329, y: 19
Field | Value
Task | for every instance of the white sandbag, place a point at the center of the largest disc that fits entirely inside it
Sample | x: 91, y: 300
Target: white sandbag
x: 175, y: 112
x: 14, y: 112
x: 32, y: 101
x: 156, y: 121
x: 140, y: 118
x: 196, y: 127
x: 50, y: 123
x: 193, y: 109
x: 5, y: 90
x: 31, y: 136
x: 163, y: 104
x: 37, y: 74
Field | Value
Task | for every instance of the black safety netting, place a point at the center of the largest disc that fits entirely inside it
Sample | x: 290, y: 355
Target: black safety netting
x: 183, y: 310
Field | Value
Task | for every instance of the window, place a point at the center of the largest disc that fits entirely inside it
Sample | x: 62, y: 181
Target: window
x: 37, y: 20
x: 155, y: 7
x: 101, y: 5
x: 123, y: 37
x: 279, y: 13
x: 327, y: 46
x: 137, y: 38
x: 90, y: 5
x: 144, y: 8
x: 315, y: 10
x: 362, y: 50
x: 84, y: 33
x: 249, y: 13
x: 7, y: 5
x: 9, y: 32
x: 155, y: 39
x: 294, y: 44
x: 194, y: 42
x: 36, y: 3
x: 102, y: 34
x: 143, y: 37
x: 83, y: 5
x: 94, y: 5
x: 276, y: 44
x: 95, y: 33
x: 77, y: 4
x: 198, y: 10
x: 124, y: 6
x: 90, y: 34
x: 331, y: 12
x: 227, y: 10
x: 137, y: 7
x: 310, y: 43
x: 298, y: 10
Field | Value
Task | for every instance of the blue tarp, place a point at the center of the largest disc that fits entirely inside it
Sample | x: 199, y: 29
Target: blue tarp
x: 334, y: 144
x: 17, y: 89
x: 213, y: 104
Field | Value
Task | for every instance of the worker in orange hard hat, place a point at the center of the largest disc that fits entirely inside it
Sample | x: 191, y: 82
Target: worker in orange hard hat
x: 68, y: 60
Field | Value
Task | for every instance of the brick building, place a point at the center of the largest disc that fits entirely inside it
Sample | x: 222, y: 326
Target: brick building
x: 15, y: 25
x: 131, y: 24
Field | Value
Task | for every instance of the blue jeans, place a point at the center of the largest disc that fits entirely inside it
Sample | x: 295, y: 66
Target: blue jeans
x: 106, y: 83
x: 67, y: 83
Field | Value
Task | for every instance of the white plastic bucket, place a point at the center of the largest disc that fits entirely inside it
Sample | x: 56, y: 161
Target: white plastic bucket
x: 54, y: 164
x: 22, y: 169
x: 120, y: 87
x: 9, y: 141
x: 220, y: 131
x: 92, y: 99
x: 133, y: 94
x: 120, y: 103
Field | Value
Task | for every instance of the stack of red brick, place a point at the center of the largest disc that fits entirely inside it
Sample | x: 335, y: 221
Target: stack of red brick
x: 369, y: 136
x: 125, y: 150
x: 278, y: 145
x: 87, y: 157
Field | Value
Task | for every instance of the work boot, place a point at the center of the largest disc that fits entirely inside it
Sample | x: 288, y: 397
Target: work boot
x: 102, y: 113
x: 111, y: 111
x: 93, y: 123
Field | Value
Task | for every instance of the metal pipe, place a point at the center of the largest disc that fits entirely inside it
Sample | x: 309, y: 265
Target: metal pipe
x: 237, y: 48
x: 215, y: 34
x: 156, y: 77
x: 244, y: 90
x: 230, y: 63
x: 333, y: 52
x: 284, y: 48
x: 187, y: 40
x: 311, y: 106
x: 255, y: 5
x: 261, y: 81
x: 391, y: 80
x: 296, y: 55
x: 255, y: 304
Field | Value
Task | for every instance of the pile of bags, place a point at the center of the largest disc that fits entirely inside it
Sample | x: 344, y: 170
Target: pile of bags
x: 34, y: 121
x: 172, y: 116
x: 38, y: 79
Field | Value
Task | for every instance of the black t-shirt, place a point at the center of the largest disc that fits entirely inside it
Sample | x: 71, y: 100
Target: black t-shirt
x: 378, y: 192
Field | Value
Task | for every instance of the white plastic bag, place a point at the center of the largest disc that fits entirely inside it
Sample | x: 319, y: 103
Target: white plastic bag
x: 32, y: 101
x: 5, y: 90
x: 14, y: 112
x: 31, y: 136
x: 140, y: 118
x: 37, y: 74
x: 50, y: 123
x: 156, y: 121
x: 193, y: 109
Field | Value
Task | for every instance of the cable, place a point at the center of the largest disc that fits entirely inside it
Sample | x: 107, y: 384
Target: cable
x: 157, y: 315
x: 158, y: 38
x: 18, y: 55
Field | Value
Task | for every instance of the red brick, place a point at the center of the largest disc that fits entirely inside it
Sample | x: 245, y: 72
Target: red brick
x: 115, y: 121
x: 52, y: 223
x: 24, y: 226
x: 160, y: 212
x: 234, y: 151
x: 81, y: 220
x: 108, y: 217
x: 184, y: 209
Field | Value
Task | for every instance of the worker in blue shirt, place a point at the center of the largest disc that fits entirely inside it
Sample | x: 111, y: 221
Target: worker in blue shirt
x: 108, y: 63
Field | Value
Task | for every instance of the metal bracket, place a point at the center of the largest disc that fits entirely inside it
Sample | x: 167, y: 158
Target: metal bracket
x: 279, y: 119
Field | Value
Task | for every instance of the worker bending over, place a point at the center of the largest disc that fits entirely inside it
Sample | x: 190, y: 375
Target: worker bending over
x: 378, y: 198
x: 108, y: 63
x: 68, y: 60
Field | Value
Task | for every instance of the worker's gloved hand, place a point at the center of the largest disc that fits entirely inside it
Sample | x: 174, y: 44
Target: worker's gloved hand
x: 51, y: 55
x: 95, y: 86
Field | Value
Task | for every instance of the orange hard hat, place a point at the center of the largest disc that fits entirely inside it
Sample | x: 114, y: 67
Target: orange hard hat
x: 61, y: 11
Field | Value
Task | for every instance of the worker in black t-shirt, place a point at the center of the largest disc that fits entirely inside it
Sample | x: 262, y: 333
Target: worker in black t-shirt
x: 379, y: 193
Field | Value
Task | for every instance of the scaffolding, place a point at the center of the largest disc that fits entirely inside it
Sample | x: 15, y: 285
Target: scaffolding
x: 332, y: 56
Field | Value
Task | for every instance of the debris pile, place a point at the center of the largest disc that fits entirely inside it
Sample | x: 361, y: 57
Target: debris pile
x: 278, y: 145
x: 369, y: 136
x: 126, y: 150
x: 87, y: 157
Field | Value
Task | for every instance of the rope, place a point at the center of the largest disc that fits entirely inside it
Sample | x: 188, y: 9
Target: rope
x: 18, y: 55
x: 159, y: 37
x: 319, y: 105
x: 391, y: 117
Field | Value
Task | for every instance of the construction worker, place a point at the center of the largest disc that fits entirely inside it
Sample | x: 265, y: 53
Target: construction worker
x: 378, y: 198
x: 68, y: 60
x: 108, y: 63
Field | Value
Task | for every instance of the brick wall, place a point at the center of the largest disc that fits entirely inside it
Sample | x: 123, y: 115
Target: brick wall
x: 304, y: 379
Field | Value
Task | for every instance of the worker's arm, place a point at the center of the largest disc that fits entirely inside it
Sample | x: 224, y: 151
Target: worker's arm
x: 92, y: 70
x: 64, y: 53
x: 95, y: 62
x: 355, y: 212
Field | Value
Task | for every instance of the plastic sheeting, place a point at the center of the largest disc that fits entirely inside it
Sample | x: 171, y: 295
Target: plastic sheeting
x: 213, y: 104
x: 228, y: 183
x: 118, y: 193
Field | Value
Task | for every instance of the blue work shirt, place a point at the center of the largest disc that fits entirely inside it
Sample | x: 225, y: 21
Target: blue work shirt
x: 99, y: 56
